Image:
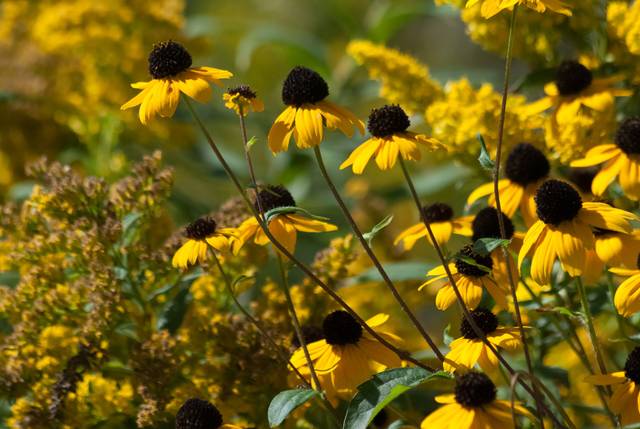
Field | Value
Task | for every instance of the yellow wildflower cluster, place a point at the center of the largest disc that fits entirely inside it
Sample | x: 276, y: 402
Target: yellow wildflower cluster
x: 404, y: 80
x: 465, y: 111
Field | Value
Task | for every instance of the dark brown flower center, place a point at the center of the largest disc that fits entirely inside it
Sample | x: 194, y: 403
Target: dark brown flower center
x: 557, y: 202
x: 572, y: 78
x: 526, y: 164
x: 486, y: 224
x: 244, y: 91
x: 168, y: 59
x: 468, y: 269
x: 272, y: 197
x: 303, y: 86
x: 628, y: 136
x: 474, y: 389
x: 485, y: 319
x: 632, y: 366
x: 201, y: 228
x: 437, y: 212
x: 387, y: 120
x: 340, y: 328
x: 198, y: 414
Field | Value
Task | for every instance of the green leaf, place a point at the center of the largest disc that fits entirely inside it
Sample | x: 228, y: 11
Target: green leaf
x: 375, y: 394
x: 291, y: 210
x: 484, y: 246
x: 564, y: 311
x: 446, y: 335
x: 472, y: 262
x: 285, y: 402
x: 173, y: 313
x: 397, y: 271
x: 485, y: 159
x: 253, y: 140
x: 376, y: 229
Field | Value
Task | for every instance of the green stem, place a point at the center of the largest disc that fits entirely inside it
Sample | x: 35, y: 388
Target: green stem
x: 255, y: 322
x: 296, y: 322
x: 365, y: 245
x: 402, y: 354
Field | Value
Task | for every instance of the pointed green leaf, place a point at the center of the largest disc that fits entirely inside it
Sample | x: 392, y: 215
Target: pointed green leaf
x: 291, y: 210
x: 376, y: 229
x: 484, y: 246
x: 285, y: 402
x: 485, y: 159
x: 376, y: 393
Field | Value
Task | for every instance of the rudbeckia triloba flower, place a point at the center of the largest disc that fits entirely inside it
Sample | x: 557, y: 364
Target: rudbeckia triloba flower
x: 611, y: 248
x: 390, y: 138
x: 470, y: 279
x: 575, y: 87
x: 284, y: 226
x: 469, y: 349
x: 627, y: 298
x: 526, y: 168
x: 200, y: 414
x: 440, y: 218
x: 485, y: 225
x: 170, y: 68
x: 491, y: 8
x: 626, y: 388
x: 242, y: 96
x: 200, y: 235
x: 304, y: 92
x: 348, y: 355
x: 473, y: 406
x: 564, y: 229
x: 621, y: 160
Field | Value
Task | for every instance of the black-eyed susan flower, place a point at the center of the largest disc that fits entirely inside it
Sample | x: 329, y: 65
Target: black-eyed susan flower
x: 564, y: 231
x: 486, y: 225
x: 611, y: 248
x: 242, y: 97
x: 625, y: 400
x: 200, y: 235
x: 440, y: 218
x: 170, y: 68
x: 304, y: 92
x: 472, y: 274
x: 474, y: 405
x: 526, y: 168
x: 627, y: 296
x: 575, y: 88
x: 621, y: 160
x: 197, y: 413
x: 390, y: 138
x: 284, y: 226
x: 348, y: 355
x: 491, y: 8
x: 469, y: 349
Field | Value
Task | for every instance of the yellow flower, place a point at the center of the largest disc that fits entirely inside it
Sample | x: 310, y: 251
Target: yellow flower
x: 170, y: 68
x: 469, y: 349
x: 201, y: 234
x: 626, y: 298
x: 491, y: 8
x: 304, y: 92
x: 388, y: 126
x: 626, y: 388
x: 348, y: 355
x: 440, y: 218
x: 526, y: 168
x: 621, y: 160
x: 465, y: 111
x: 404, y: 80
x: 470, y: 280
x: 242, y: 97
x: 284, y: 226
x: 200, y: 413
x: 564, y: 230
x: 473, y: 406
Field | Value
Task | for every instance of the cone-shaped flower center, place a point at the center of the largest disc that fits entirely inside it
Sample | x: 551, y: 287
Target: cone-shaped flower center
x: 467, y: 269
x: 340, y: 328
x: 485, y: 319
x: 632, y: 366
x: 526, y: 164
x: 387, y: 120
x: 628, y: 136
x: 486, y: 224
x: 168, y: 59
x: 198, y: 414
x: 557, y: 202
x: 244, y: 91
x: 582, y: 177
x: 201, y: 228
x: 572, y: 77
x: 274, y: 196
x: 310, y: 334
x: 303, y: 86
x: 437, y: 212
x: 474, y: 389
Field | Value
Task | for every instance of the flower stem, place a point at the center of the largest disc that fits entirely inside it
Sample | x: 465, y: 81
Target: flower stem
x: 356, y: 230
x: 465, y: 310
x: 247, y: 156
x: 402, y: 354
x: 503, y: 234
x: 255, y: 322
